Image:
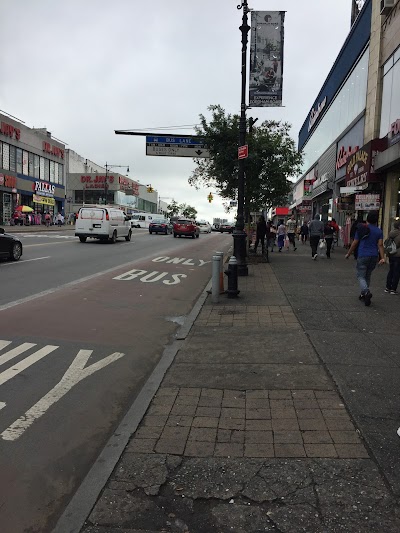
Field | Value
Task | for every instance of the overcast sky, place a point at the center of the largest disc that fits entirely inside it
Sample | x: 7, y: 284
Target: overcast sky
x: 84, y: 68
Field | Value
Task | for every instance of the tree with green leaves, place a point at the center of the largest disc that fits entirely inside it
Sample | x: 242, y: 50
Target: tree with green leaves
x: 273, y: 158
x: 174, y: 209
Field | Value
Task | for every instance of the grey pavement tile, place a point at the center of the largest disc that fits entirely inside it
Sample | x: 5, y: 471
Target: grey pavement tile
x: 288, y: 437
x: 205, y: 422
x: 251, y: 376
x: 203, y: 434
x: 312, y: 320
x: 312, y: 424
x: 285, y: 424
x: 259, y: 450
x: 317, y: 437
x: 258, y: 437
x: 199, y: 449
x: 355, y: 348
x: 289, y: 450
x: 320, y: 450
x: 223, y: 449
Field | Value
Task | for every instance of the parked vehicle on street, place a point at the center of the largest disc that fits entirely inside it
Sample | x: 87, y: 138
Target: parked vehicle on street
x: 142, y: 220
x: 204, y: 226
x: 226, y: 228
x: 106, y: 223
x: 10, y: 246
x: 160, y: 225
x: 186, y: 227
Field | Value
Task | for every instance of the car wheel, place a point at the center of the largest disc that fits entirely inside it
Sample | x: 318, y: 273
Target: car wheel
x: 16, y: 251
x: 114, y: 237
x: 129, y: 236
x: 82, y: 239
x: 193, y: 236
x: 151, y: 233
x: 175, y: 235
x: 197, y: 235
x: 180, y: 236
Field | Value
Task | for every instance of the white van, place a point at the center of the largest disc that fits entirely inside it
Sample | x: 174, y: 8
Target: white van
x: 106, y: 223
x: 142, y: 220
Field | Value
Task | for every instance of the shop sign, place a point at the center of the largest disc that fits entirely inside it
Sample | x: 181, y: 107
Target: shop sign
x: 92, y: 181
x: 360, y: 166
x: 10, y: 131
x: 367, y: 202
x: 44, y: 200
x: 44, y: 188
x: 129, y: 186
x: 315, y: 113
x: 344, y: 154
x: 8, y: 181
x: 53, y: 150
x: 308, y: 187
x: 394, y: 133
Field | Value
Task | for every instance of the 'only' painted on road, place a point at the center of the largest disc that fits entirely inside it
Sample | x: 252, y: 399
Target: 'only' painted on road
x: 180, y: 260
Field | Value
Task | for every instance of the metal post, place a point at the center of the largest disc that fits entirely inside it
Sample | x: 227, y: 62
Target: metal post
x: 216, y: 260
x: 221, y: 272
x: 239, y: 235
x: 105, y: 187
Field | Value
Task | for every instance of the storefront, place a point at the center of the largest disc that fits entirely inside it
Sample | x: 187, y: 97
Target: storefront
x: 31, y: 171
x: 102, y: 189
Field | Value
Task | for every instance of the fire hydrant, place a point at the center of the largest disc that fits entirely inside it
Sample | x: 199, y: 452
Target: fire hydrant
x: 232, y: 273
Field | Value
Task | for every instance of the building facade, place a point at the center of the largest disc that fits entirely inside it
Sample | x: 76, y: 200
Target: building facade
x: 32, y: 171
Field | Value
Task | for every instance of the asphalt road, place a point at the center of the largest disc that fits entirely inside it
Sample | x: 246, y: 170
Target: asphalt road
x: 82, y: 325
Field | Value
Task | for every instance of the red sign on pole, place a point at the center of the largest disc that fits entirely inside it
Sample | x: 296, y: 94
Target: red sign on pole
x: 243, y: 151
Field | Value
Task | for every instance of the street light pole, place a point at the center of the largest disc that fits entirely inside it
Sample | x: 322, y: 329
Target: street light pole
x: 107, y: 166
x: 239, y: 235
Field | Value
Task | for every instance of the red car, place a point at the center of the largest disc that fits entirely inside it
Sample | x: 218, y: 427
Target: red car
x: 186, y: 227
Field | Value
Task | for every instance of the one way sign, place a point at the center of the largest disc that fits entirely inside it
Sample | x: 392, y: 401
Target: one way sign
x: 176, y: 146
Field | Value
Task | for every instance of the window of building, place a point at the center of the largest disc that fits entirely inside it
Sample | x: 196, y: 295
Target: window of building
x: 25, y: 163
x: 13, y: 158
x: 56, y: 176
x: 36, y: 166
x: 390, y: 110
x: 31, y: 166
x: 61, y: 174
x: 18, y: 165
x: 41, y: 172
x: 52, y: 172
x: 348, y: 103
x: 1, y: 154
x: 6, y: 156
x: 46, y: 170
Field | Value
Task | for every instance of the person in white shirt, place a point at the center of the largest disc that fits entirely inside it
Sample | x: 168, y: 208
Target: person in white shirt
x: 291, y: 226
x: 281, y: 232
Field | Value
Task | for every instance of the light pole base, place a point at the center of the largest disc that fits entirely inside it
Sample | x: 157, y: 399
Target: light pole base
x: 239, y: 251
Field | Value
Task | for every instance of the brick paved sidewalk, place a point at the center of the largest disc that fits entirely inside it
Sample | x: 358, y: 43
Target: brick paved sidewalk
x: 247, y: 433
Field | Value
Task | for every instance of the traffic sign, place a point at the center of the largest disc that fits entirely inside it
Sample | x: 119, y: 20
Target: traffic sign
x: 243, y: 151
x: 176, y: 146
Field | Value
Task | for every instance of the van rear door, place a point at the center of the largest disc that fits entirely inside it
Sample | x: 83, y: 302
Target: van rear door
x: 91, y: 218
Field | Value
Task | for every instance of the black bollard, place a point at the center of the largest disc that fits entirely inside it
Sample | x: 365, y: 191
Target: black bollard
x: 232, y: 274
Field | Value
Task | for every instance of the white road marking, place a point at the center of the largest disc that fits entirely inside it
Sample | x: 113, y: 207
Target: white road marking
x: 46, y: 244
x: 2, y: 405
x: 15, y: 351
x: 75, y: 373
x: 25, y: 363
x: 4, y: 344
x: 26, y: 261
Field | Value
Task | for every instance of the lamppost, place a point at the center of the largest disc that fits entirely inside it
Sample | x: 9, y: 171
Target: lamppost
x: 107, y: 167
x: 239, y: 235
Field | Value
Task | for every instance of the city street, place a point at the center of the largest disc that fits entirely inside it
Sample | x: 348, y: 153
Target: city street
x: 82, y: 327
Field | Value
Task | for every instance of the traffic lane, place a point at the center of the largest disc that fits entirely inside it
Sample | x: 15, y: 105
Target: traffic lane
x: 46, y: 266
x: 140, y: 313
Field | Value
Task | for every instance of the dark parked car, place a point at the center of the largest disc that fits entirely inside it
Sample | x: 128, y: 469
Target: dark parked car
x: 160, y: 226
x: 226, y: 228
x: 10, y: 246
x: 187, y: 227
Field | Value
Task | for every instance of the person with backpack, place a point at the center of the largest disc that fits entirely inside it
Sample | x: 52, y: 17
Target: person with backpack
x: 392, y: 249
x: 329, y: 230
x: 368, y: 240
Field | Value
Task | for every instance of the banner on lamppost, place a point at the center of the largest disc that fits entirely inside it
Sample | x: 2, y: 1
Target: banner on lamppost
x: 266, y: 58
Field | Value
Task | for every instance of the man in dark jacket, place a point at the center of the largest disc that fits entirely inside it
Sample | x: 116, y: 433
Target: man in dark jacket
x: 316, y: 229
x: 261, y: 232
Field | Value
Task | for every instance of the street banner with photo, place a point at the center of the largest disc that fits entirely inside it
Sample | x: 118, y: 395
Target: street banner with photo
x: 266, y: 58
x: 368, y: 202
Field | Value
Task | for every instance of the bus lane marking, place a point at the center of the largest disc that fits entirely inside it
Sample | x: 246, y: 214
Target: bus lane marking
x: 150, y: 277
x: 179, y: 260
x: 75, y: 373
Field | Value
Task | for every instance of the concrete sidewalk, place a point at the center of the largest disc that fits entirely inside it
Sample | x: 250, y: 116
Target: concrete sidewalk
x: 37, y: 228
x: 257, y: 425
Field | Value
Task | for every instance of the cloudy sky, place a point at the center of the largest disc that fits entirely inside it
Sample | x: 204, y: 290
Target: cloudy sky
x: 84, y: 68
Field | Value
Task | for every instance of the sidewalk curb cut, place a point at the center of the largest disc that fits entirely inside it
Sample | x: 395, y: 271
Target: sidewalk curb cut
x: 80, y: 506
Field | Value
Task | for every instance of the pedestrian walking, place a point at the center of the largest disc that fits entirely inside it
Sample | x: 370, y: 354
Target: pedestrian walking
x: 291, y: 226
x: 393, y: 276
x: 304, y: 233
x: 329, y: 231
x: 356, y: 222
x: 316, y: 230
x: 60, y: 219
x: 47, y: 219
x: 281, y: 232
x: 272, y: 236
x: 261, y: 231
x: 369, y: 241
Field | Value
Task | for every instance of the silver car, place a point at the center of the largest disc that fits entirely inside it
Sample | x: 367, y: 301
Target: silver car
x: 205, y: 227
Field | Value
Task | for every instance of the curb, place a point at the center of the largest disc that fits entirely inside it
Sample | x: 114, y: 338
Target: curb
x: 79, y: 508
